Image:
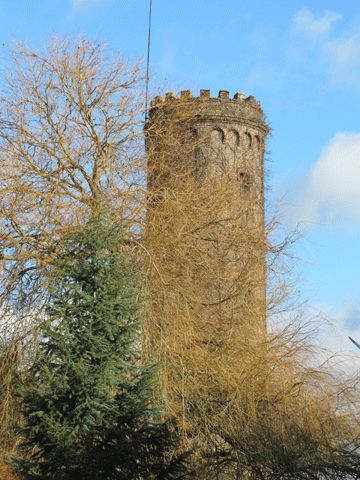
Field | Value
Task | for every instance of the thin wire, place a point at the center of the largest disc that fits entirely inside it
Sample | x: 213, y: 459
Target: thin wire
x: 148, y: 64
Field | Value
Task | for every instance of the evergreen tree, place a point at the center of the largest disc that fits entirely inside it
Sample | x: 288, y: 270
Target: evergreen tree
x: 86, y: 402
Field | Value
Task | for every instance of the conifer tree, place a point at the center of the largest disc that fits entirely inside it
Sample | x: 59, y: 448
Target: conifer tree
x: 87, y: 399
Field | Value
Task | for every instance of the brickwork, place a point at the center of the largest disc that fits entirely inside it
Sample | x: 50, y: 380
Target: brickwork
x: 205, y: 237
x: 230, y: 135
x: 216, y: 138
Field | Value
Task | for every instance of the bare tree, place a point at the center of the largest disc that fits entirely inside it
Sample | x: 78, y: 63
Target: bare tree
x: 70, y: 145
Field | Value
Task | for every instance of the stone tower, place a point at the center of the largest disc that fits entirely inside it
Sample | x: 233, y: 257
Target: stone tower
x: 214, y: 137
x: 207, y: 242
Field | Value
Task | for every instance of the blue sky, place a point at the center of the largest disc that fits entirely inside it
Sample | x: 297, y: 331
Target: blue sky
x: 300, y: 59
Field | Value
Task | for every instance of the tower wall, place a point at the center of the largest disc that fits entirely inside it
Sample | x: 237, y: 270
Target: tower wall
x: 206, y: 242
x: 214, y: 138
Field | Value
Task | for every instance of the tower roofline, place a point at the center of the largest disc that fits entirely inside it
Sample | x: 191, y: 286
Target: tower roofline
x: 204, y: 107
x: 223, y: 95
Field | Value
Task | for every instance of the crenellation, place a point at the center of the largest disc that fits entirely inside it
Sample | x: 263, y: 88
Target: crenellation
x: 184, y: 94
x: 157, y: 100
x: 239, y: 96
x: 170, y: 96
x: 205, y: 94
x: 237, y: 109
x: 252, y: 101
x: 223, y: 94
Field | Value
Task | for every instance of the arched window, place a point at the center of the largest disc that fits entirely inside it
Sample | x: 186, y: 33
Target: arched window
x: 194, y: 134
x: 217, y: 136
x: 244, y: 180
x: 257, y: 142
x: 248, y: 139
x: 233, y: 138
x: 199, y: 164
x: 199, y: 157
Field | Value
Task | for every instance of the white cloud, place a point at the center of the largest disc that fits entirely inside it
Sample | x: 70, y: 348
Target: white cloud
x: 350, y: 315
x: 314, y: 39
x: 330, y: 192
x: 344, y: 50
x: 329, y: 329
x: 344, y: 58
x: 81, y: 5
x: 304, y: 22
x: 337, y: 326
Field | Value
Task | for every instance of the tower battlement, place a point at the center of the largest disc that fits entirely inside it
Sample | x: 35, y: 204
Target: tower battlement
x: 186, y: 95
x: 238, y: 108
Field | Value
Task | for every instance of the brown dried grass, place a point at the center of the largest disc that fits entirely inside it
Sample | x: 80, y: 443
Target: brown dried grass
x: 243, y: 394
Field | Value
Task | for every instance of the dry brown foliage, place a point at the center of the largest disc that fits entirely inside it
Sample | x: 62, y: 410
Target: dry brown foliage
x: 253, y: 403
x: 69, y: 130
x: 70, y: 144
x: 6, y: 472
